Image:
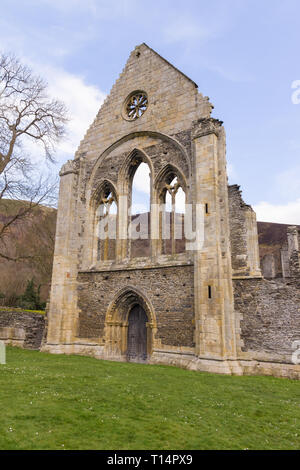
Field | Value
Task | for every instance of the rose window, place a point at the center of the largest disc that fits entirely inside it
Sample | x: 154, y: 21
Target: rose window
x: 136, y: 105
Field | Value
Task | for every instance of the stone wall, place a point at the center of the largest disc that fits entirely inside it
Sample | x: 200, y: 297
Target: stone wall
x: 243, y: 235
x: 174, y: 102
x: 270, y: 316
x: 22, y: 329
x: 168, y: 289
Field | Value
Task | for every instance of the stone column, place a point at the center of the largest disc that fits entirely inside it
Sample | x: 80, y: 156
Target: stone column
x: 63, y: 312
x: 268, y: 266
x: 293, y: 251
x: 252, y: 244
x: 285, y: 265
x: 292, y: 237
x: 214, y: 310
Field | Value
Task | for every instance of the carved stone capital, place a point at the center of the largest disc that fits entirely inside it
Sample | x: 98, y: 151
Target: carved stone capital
x: 206, y: 126
x: 71, y: 166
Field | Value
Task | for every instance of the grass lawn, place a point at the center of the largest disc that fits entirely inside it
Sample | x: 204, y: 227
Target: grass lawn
x: 73, y: 402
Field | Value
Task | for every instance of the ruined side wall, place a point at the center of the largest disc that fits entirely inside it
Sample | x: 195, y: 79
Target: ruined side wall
x: 243, y: 236
x: 169, y: 289
x: 270, y: 318
x: 23, y: 329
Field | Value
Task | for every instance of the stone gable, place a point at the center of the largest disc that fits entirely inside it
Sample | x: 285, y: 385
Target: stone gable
x: 174, y: 102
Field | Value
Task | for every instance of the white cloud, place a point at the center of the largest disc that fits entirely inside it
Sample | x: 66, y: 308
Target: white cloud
x: 141, y: 181
x: 54, y: 42
x: 82, y: 100
x: 279, y: 213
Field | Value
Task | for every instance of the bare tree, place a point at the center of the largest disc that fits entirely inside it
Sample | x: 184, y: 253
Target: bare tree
x: 26, y: 111
x: 27, y: 115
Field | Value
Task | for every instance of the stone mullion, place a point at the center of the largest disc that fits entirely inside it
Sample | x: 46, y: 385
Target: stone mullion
x: 155, y: 230
x: 106, y: 240
x: 173, y: 250
x: 154, y: 223
x: 122, y: 231
x: 95, y: 245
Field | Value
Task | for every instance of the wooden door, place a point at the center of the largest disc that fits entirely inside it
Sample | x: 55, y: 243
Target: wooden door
x: 137, y: 335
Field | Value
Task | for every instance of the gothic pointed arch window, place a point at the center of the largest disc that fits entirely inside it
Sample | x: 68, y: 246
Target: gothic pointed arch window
x: 172, y: 199
x: 106, y: 212
x: 140, y: 212
x: 139, y: 203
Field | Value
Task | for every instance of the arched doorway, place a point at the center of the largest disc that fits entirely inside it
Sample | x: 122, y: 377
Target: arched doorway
x: 137, y: 335
x: 120, y: 344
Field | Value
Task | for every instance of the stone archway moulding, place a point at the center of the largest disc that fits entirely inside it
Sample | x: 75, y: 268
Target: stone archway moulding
x: 116, y: 322
x: 133, y: 135
x: 112, y: 313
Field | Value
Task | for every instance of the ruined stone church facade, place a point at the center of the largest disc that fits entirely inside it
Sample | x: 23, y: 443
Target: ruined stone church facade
x: 207, y: 308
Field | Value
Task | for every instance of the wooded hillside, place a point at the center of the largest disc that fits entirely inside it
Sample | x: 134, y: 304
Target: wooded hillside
x: 32, y: 238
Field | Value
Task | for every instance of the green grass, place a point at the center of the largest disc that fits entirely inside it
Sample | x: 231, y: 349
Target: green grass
x: 73, y: 402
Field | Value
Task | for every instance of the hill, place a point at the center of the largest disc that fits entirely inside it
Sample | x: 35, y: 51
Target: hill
x: 32, y: 239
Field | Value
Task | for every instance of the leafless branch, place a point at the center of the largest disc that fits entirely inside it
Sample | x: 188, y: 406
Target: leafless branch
x: 26, y: 111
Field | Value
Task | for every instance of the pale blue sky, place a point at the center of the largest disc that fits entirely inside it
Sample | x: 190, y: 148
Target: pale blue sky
x: 243, y: 54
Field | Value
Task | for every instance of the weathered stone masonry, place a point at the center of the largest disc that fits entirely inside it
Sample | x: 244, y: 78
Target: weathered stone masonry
x: 204, y: 308
x: 22, y: 329
x: 270, y: 316
x: 175, y: 316
x: 243, y: 236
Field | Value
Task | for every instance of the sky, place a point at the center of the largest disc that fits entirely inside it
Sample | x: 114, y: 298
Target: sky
x: 243, y: 54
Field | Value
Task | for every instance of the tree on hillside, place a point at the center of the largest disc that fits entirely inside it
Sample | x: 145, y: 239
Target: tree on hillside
x: 31, y: 297
x: 28, y: 116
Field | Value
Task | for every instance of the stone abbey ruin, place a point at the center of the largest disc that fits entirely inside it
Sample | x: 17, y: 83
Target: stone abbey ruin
x: 153, y: 299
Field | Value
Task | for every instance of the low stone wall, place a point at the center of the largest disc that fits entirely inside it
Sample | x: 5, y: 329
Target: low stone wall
x: 270, y: 318
x: 23, y: 329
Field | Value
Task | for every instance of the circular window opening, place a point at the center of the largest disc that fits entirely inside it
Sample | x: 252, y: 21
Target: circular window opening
x: 135, y: 105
